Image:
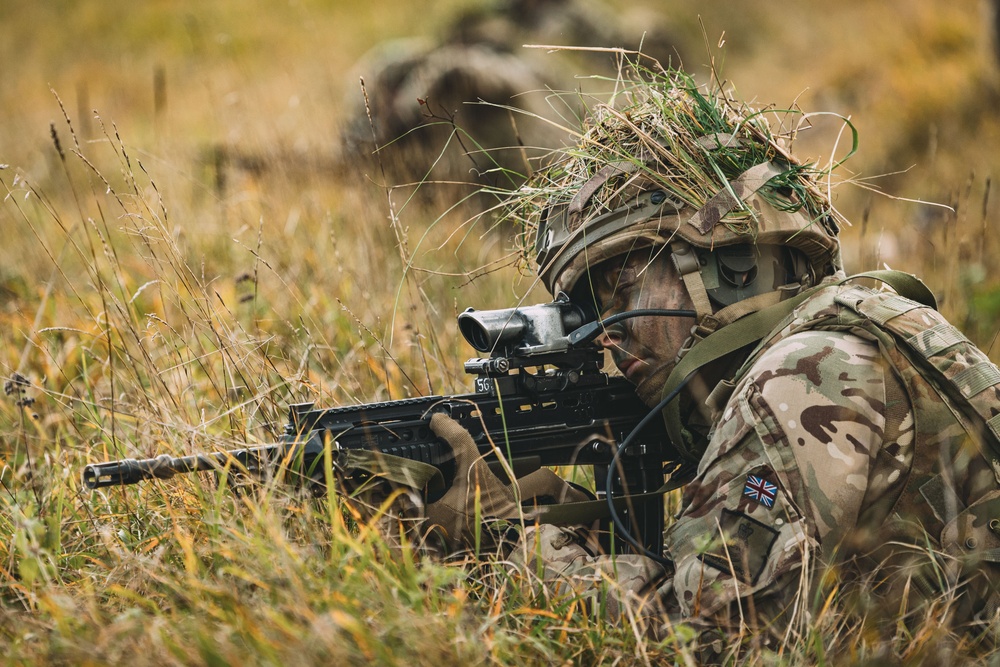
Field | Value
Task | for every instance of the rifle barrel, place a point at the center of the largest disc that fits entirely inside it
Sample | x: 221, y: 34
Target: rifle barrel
x: 133, y: 471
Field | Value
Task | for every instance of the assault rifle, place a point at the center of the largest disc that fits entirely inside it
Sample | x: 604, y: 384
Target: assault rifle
x: 540, y: 399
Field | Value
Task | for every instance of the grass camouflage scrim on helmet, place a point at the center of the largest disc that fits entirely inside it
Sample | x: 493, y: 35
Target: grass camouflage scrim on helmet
x: 666, y: 161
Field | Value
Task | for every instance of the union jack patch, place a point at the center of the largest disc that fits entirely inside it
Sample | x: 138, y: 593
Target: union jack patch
x: 760, y: 490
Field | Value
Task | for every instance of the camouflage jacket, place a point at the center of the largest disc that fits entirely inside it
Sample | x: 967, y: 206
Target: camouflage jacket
x: 832, y: 446
x: 829, y: 447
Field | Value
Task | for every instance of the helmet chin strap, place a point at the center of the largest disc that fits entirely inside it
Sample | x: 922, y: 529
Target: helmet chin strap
x: 708, y: 319
x: 687, y: 265
x: 704, y: 219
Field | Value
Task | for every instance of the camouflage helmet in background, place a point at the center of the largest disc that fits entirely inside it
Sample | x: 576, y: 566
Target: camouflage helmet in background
x: 670, y: 164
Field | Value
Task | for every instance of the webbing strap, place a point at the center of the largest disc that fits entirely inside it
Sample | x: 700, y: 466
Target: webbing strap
x: 994, y: 425
x: 397, y: 469
x: 686, y: 262
x: 716, y: 345
x: 905, y: 284
x: 603, y: 175
x: 731, y: 196
x: 977, y: 378
x: 564, y: 514
x: 935, y: 340
x: 742, y: 308
x: 886, y: 309
x: 752, y: 329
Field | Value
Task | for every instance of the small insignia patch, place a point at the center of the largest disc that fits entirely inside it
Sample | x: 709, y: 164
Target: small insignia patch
x: 742, y: 548
x: 760, y: 490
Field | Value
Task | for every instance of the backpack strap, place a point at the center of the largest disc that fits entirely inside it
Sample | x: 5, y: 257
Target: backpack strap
x: 958, y: 370
x: 752, y: 329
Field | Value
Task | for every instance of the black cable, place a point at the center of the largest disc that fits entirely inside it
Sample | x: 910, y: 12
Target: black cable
x: 640, y: 312
x: 592, y: 330
x: 608, y: 492
x: 588, y: 333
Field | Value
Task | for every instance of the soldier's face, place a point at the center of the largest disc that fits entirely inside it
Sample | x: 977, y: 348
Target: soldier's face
x: 643, y: 348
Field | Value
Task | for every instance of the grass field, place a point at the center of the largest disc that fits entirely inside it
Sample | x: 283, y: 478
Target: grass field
x: 186, y: 261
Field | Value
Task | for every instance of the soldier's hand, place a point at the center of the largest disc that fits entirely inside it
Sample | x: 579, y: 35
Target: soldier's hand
x: 475, y: 485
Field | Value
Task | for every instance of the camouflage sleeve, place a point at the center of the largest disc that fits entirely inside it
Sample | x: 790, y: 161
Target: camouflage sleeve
x: 624, y: 586
x: 784, y: 478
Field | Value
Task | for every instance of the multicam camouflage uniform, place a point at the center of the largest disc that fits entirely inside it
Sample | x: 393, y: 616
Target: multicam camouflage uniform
x: 830, y: 446
x: 848, y: 442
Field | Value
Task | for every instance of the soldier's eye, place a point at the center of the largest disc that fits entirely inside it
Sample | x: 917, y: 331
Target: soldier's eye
x: 626, y: 278
x: 616, y: 301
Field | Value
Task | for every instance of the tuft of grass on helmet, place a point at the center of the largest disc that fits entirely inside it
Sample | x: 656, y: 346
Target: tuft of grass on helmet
x: 690, y: 140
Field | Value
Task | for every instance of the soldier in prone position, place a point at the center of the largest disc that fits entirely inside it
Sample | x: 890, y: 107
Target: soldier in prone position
x: 830, y: 424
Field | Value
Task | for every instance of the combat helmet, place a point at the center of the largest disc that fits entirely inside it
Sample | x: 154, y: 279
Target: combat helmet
x: 671, y: 165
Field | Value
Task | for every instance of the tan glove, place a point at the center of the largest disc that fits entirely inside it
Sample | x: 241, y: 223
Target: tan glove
x: 455, y: 512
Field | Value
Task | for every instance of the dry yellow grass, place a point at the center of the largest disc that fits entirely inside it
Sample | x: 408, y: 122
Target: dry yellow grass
x: 197, y: 258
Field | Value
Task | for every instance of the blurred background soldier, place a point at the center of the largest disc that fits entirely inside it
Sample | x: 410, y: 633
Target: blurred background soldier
x: 441, y: 108
x: 825, y: 423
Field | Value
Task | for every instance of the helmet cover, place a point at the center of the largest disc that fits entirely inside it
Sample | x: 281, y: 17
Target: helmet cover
x: 668, y: 160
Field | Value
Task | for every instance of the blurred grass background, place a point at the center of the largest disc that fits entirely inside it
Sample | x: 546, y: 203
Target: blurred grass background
x: 272, y: 84
x: 181, y: 266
